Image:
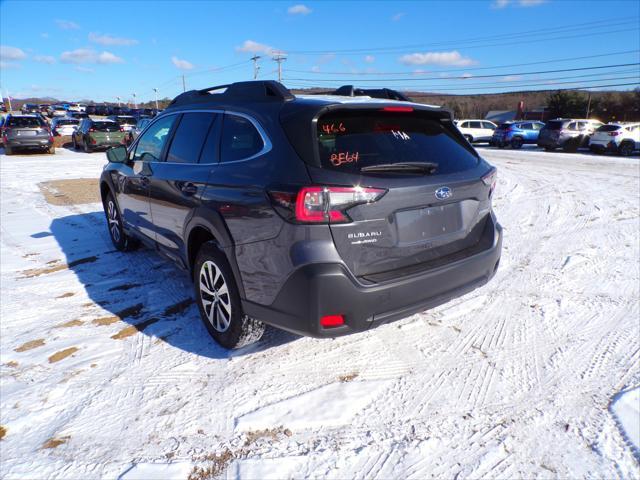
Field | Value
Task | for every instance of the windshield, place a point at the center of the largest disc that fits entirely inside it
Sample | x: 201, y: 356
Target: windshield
x: 351, y: 140
x: 608, y: 128
x: 554, y: 125
x: 105, y: 126
x: 25, y: 122
x: 66, y: 122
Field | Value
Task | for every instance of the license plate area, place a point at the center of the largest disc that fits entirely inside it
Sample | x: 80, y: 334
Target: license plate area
x: 425, y: 224
x: 27, y: 133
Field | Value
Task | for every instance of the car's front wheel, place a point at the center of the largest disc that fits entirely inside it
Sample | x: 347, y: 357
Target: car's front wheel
x: 219, y: 300
x: 625, y: 149
x: 119, y: 238
x: 516, y: 142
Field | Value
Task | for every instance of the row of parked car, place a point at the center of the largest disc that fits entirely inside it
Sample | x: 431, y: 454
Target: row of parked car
x: 570, y: 134
x: 34, y: 132
x: 69, y: 109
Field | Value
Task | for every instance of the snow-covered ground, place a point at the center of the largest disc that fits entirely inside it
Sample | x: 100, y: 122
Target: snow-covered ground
x: 106, y: 371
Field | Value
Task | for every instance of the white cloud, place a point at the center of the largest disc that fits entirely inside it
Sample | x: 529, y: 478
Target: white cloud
x: 315, y: 68
x: 11, y: 53
x: 45, y: 59
x: 511, y: 78
x: 299, y: 10
x: 326, y: 58
x: 44, y: 35
x: 250, y: 46
x: 108, y: 40
x: 88, y: 55
x: 67, y: 25
x: 369, y: 58
x: 498, y: 4
x: 437, y: 58
x: 84, y: 69
x: 181, y: 64
x: 398, y: 16
x: 8, y: 65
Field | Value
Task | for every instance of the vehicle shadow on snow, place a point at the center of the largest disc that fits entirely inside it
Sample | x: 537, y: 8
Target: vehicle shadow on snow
x: 142, y: 289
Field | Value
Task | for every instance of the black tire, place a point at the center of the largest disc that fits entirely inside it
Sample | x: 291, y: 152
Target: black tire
x: 501, y: 145
x: 516, y: 142
x: 119, y: 238
x: 216, y: 293
x: 73, y: 141
x: 51, y: 150
x: 86, y: 147
x: 626, y: 149
x: 469, y: 138
x: 571, y: 145
x: 549, y: 149
x: 8, y: 150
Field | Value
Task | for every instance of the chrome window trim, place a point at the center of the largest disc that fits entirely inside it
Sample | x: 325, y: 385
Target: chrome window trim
x: 267, y: 146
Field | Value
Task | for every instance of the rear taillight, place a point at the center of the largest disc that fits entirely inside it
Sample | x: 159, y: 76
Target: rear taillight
x: 121, y: 129
x: 614, y: 134
x: 92, y: 130
x: 490, y: 180
x: 320, y: 204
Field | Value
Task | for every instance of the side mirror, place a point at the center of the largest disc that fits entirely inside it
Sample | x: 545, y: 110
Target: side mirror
x: 117, y: 154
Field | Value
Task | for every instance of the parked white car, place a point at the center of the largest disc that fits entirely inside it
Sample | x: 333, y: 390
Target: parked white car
x: 64, y: 126
x: 622, y: 138
x: 77, y: 107
x: 476, y: 130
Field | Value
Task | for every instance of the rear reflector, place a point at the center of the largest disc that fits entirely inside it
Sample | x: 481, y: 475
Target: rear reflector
x: 397, y: 109
x: 329, y: 321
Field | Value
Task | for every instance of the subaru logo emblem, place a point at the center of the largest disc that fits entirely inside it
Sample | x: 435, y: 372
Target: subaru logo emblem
x: 443, y: 193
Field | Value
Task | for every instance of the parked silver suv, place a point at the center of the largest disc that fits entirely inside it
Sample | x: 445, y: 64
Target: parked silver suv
x: 568, y: 133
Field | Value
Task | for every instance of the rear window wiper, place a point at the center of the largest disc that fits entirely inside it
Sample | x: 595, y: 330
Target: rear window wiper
x: 426, y: 168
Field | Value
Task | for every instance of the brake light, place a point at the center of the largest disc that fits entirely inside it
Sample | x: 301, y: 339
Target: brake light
x: 328, y: 204
x: 397, y: 109
x: 329, y: 321
x: 92, y: 130
x: 490, y: 180
x: 121, y: 129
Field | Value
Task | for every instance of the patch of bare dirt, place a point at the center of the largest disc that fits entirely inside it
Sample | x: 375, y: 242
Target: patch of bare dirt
x: 12, y: 364
x: 177, y: 307
x: 219, y: 463
x: 70, y: 323
x: 55, y: 442
x: 3, y: 431
x: 74, y: 191
x: 66, y: 295
x: 348, y: 377
x: 124, y: 287
x: 133, y: 329
x: 105, y: 320
x: 133, y: 311
x: 62, y: 354
x: 56, y: 267
x: 30, y: 345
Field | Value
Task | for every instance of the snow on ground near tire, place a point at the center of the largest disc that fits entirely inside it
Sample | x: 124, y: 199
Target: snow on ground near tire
x: 106, y: 370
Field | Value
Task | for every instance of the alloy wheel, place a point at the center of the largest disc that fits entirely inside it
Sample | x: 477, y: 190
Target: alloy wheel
x: 214, y: 293
x: 114, y: 223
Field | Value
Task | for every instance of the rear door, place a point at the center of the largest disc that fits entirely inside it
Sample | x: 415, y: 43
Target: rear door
x: 421, y: 217
x: 177, y: 182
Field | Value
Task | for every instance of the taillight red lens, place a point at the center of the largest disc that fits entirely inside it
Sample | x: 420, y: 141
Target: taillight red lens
x: 328, y: 204
x: 332, y: 321
x: 490, y: 180
x: 397, y: 109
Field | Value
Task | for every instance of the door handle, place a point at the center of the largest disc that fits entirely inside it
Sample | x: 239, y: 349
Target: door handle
x: 188, y: 188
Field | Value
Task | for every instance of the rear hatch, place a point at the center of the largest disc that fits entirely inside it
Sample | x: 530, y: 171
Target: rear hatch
x: 551, y: 130
x: 25, y: 128
x: 432, y: 201
x: 106, y: 133
x: 603, y: 134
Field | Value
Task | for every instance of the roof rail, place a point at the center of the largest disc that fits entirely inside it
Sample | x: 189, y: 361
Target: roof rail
x: 259, y: 90
x: 351, y: 91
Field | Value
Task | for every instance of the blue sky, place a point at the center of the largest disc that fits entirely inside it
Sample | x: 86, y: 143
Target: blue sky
x: 101, y: 50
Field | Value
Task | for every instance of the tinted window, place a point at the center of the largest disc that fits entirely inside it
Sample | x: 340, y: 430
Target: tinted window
x: 464, y: 125
x: 240, y: 139
x: 211, y: 150
x: 554, y: 125
x: 105, y: 126
x: 151, y: 143
x: 608, y: 128
x: 126, y: 120
x: 67, y: 122
x: 189, y: 137
x: 526, y: 126
x: 351, y: 140
x: 25, y: 122
x: 504, y: 126
x: 488, y: 125
x: 475, y: 124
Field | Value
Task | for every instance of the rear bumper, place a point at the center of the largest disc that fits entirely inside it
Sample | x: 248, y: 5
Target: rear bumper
x: 29, y: 143
x: 316, y: 290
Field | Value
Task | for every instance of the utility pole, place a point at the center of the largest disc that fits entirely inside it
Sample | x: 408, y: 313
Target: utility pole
x: 9, y: 98
x: 184, y: 86
x: 135, y: 105
x: 156, y: 92
x: 256, y: 67
x: 588, y: 105
x: 118, y: 98
x: 279, y: 58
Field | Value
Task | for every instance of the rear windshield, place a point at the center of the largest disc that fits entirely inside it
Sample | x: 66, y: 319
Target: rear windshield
x: 351, y: 140
x: 504, y: 126
x: 25, y: 122
x: 554, y: 125
x: 127, y: 120
x: 67, y: 122
x: 608, y: 128
x: 105, y: 126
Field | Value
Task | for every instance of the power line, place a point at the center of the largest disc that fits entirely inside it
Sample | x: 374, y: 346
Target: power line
x: 473, y: 69
x: 422, y: 79
x: 510, y: 36
x: 279, y: 58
